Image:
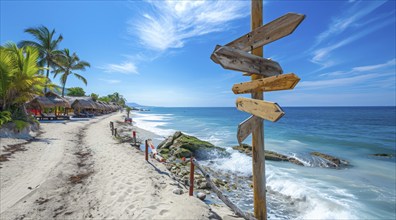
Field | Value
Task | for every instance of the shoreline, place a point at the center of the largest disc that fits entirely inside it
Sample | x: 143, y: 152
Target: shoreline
x: 76, y: 170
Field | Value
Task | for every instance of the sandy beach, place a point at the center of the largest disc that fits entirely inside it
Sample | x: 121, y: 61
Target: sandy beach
x: 77, y: 170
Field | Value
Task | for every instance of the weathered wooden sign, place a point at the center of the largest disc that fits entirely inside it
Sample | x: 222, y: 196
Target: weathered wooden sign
x: 268, y: 33
x: 246, y: 127
x: 270, y: 111
x: 273, y: 83
x: 239, y: 60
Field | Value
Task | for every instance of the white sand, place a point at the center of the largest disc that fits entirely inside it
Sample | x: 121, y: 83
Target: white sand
x: 121, y: 185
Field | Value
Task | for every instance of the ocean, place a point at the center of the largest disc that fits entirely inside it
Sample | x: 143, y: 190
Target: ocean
x: 364, y: 190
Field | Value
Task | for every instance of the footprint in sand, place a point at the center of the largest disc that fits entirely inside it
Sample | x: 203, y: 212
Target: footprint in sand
x: 121, y: 199
x: 163, y: 212
x: 151, y: 207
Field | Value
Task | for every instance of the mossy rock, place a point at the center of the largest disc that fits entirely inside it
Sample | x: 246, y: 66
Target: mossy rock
x: 163, y: 151
x: 192, y: 143
x: 182, y: 152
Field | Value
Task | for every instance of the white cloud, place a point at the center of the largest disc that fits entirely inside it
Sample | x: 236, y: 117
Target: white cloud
x: 320, y: 84
x: 349, y: 18
x: 125, y: 67
x: 321, y: 55
x: 375, y: 67
x: 171, y: 23
x: 111, y: 81
x: 384, y: 68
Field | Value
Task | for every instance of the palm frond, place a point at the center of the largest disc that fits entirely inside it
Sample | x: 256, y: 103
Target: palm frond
x: 80, y: 78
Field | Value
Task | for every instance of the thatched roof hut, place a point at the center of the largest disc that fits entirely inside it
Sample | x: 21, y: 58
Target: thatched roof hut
x: 41, y: 102
x: 50, y: 100
x: 83, y: 104
x: 57, y: 100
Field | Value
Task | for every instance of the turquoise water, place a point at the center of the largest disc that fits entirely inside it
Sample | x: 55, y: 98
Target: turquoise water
x: 364, y: 190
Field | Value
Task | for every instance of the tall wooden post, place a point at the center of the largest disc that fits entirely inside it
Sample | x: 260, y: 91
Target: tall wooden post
x: 260, y: 207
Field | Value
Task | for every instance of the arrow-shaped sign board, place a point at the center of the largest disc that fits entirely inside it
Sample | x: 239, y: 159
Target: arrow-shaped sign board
x: 246, y: 127
x: 273, y: 83
x: 266, y: 110
x: 268, y: 33
x: 233, y: 59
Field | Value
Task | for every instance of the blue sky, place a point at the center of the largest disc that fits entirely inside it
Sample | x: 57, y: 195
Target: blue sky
x: 157, y: 52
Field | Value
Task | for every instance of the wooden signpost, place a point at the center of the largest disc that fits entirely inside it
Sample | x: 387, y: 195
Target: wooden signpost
x: 274, y: 83
x: 235, y: 56
x: 246, y: 127
x: 239, y: 60
x: 263, y: 109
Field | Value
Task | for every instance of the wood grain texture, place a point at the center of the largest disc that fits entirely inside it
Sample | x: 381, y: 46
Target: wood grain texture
x: 239, y: 60
x: 270, y: 111
x: 258, y: 156
x: 268, y: 33
x: 246, y: 127
x: 273, y: 83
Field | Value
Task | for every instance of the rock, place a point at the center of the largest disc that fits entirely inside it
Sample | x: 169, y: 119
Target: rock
x: 166, y: 143
x: 180, y: 145
x: 201, y: 196
x: 295, y: 161
x: 335, y: 162
x: 382, y: 155
x: 176, y: 134
x: 270, y: 155
x: 203, y: 185
x: 182, y: 152
x: 177, y: 191
x: 191, y: 143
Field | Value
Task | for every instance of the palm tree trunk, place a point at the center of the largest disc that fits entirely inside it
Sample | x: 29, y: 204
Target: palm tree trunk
x: 63, y: 88
x: 45, y: 88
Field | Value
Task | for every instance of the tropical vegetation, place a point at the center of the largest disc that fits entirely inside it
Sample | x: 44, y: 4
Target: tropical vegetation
x: 47, y: 45
x: 66, y: 65
x: 115, y: 97
x: 20, y: 78
x: 25, y: 70
x: 76, y: 91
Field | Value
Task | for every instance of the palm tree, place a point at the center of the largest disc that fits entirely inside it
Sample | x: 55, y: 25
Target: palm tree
x: 47, y: 46
x: 67, y: 64
x: 128, y: 109
x: 20, y: 76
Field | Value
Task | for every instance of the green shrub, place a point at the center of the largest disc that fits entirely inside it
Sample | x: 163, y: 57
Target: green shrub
x: 5, y: 116
x: 20, y: 125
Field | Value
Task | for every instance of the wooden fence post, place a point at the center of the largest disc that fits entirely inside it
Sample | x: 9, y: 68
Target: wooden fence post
x: 134, y: 137
x: 115, y: 132
x: 191, y: 190
x: 146, y: 151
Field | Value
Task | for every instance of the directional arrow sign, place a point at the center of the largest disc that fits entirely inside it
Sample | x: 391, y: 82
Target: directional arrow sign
x: 268, y: 33
x: 246, y: 127
x: 273, y: 83
x: 233, y: 59
x: 265, y: 110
